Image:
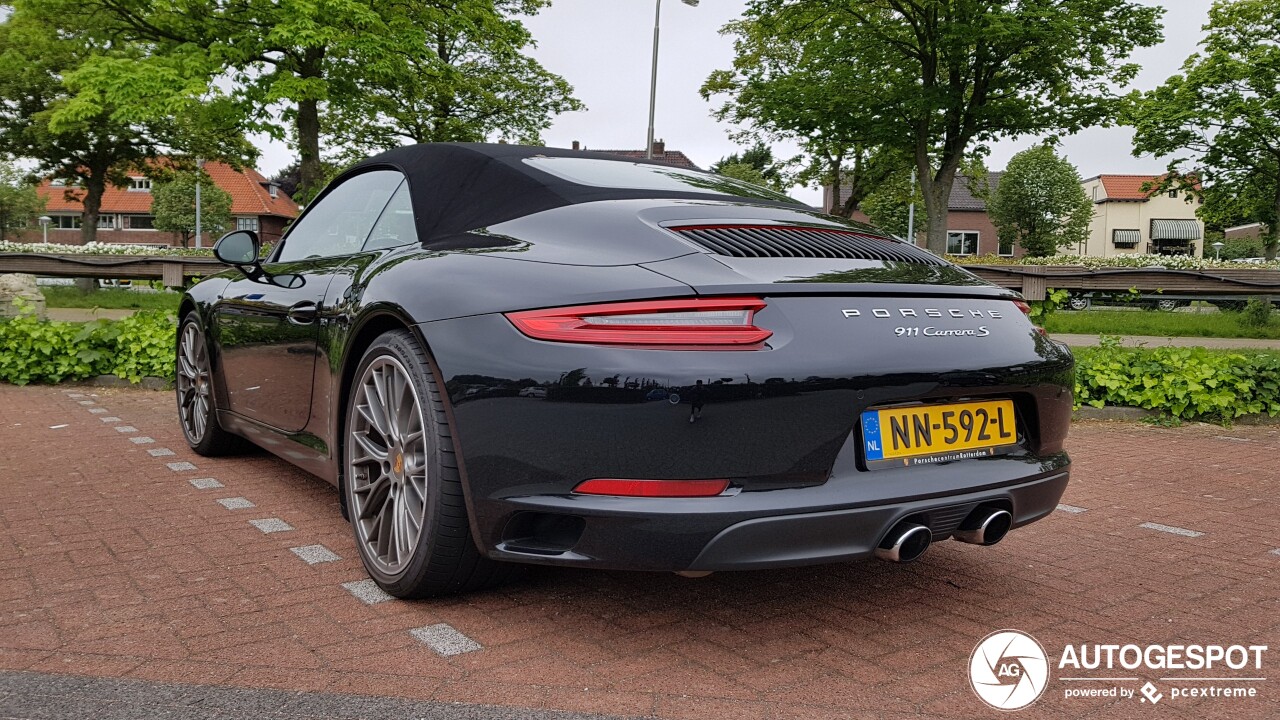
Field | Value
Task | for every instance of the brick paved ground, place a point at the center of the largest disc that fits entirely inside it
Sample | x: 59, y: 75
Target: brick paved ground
x: 114, y: 565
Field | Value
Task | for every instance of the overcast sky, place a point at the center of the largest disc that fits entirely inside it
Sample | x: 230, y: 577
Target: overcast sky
x: 602, y: 47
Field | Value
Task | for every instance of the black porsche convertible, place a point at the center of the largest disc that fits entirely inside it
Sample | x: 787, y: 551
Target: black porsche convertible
x: 505, y: 355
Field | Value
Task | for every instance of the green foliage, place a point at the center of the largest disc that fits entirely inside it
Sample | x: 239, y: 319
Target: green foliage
x: 173, y: 202
x: 1158, y: 324
x: 45, y: 351
x: 755, y: 165
x: 20, y: 204
x: 61, y: 296
x: 1040, y: 204
x: 888, y: 206
x: 1169, y: 262
x: 1053, y: 300
x: 1257, y: 312
x: 1221, y: 116
x: 96, y: 248
x: 1186, y: 383
x: 931, y: 80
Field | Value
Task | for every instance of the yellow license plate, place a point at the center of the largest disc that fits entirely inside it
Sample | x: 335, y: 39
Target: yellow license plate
x: 951, y: 432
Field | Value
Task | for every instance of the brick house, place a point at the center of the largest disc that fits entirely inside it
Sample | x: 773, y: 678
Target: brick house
x: 256, y: 204
x: 969, y: 227
x: 1129, y: 220
x: 660, y: 154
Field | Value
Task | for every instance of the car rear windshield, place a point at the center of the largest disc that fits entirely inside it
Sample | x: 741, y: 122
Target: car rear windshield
x: 642, y: 176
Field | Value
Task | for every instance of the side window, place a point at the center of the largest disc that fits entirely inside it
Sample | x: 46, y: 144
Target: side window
x: 340, y: 221
x: 396, y: 225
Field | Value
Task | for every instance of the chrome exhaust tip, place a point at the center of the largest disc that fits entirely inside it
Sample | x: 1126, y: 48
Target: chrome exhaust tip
x: 904, y: 543
x: 985, y: 526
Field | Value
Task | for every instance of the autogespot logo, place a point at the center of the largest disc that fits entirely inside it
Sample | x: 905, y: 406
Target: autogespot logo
x: 1008, y: 670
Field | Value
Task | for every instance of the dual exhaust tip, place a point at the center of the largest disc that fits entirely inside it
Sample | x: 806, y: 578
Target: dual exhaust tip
x: 907, y: 541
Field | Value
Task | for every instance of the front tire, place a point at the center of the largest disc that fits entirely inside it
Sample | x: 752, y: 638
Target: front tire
x: 197, y: 407
x: 402, y: 486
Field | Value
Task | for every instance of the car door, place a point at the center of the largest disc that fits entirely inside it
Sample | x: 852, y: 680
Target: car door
x: 268, y: 332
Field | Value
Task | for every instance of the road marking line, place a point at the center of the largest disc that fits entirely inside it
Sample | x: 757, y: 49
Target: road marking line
x: 445, y: 640
x: 271, y: 525
x: 313, y: 554
x: 1072, y: 509
x: 236, y: 503
x: 159, y: 452
x: 367, y: 591
x: 141, y: 440
x: 180, y: 466
x: 1171, y: 529
x: 125, y: 428
x: 205, y: 483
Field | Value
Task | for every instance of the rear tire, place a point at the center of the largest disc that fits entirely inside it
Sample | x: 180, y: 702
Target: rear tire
x: 197, y: 406
x: 401, y: 481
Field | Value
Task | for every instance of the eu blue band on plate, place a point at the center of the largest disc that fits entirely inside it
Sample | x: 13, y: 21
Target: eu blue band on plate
x: 871, y: 443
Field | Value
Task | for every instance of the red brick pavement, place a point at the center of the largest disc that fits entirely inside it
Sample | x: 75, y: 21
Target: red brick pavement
x: 113, y: 565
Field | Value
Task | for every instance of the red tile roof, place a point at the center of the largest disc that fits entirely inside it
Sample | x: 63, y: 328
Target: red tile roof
x: 1129, y: 187
x: 670, y: 157
x: 249, y: 195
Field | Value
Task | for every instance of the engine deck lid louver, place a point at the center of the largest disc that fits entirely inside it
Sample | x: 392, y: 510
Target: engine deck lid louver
x: 790, y: 241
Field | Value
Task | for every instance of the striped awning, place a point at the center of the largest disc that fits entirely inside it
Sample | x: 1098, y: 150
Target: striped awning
x: 1126, y: 238
x: 1175, y: 230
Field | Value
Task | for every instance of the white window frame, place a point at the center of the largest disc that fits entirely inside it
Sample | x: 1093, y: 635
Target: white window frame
x: 248, y: 223
x: 1013, y: 248
x: 107, y: 221
x: 977, y: 237
x: 139, y: 184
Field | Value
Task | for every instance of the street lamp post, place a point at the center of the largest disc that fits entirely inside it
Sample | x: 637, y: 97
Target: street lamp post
x: 44, y: 226
x: 199, y: 170
x: 1217, y: 250
x: 653, y: 79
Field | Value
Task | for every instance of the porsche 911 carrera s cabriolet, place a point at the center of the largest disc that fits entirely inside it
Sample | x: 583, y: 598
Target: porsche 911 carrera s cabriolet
x: 505, y: 355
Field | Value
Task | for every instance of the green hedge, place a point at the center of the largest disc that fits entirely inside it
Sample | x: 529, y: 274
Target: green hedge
x: 1183, y: 382
x: 47, y: 351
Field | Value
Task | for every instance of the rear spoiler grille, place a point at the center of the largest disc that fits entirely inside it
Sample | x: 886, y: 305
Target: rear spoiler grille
x: 780, y: 241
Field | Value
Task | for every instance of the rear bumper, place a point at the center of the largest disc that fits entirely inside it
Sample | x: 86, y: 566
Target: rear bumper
x: 778, y: 529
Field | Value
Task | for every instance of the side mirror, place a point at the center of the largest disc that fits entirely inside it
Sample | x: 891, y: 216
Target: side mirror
x: 238, y: 247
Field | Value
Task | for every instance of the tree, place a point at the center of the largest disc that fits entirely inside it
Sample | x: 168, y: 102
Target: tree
x: 19, y: 201
x: 933, y: 79
x: 1040, y: 204
x: 88, y: 154
x: 173, y: 202
x: 466, y: 79
x: 1221, y: 115
x: 888, y: 206
x: 754, y: 165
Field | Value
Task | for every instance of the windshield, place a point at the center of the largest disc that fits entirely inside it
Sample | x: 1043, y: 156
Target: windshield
x: 595, y: 172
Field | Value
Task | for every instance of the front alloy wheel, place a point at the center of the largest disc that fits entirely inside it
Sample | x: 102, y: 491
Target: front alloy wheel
x: 197, y: 408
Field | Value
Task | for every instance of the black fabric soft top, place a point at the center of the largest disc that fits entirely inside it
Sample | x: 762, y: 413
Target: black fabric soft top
x: 458, y: 187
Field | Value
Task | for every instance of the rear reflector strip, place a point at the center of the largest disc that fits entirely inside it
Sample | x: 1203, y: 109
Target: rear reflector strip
x: 652, y: 488
x: 691, y: 321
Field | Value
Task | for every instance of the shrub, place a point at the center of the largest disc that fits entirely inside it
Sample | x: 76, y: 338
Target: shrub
x: 1184, y: 382
x: 1257, y: 312
x: 45, y: 351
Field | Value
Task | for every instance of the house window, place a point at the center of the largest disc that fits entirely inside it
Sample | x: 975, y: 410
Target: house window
x: 139, y: 184
x: 964, y: 242
x: 65, y: 222
x: 247, y: 223
x: 1094, y: 190
x: 1173, y: 194
x: 1126, y: 238
x: 1006, y: 248
x: 140, y: 222
x: 106, y: 222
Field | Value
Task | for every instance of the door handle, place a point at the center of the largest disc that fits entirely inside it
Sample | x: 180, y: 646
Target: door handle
x: 303, y: 313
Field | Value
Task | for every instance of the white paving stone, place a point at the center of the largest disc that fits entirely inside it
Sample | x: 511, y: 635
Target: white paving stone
x: 88, y: 402
x: 445, y: 640
x: 159, y: 452
x: 97, y: 410
x: 1171, y: 529
x: 75, y: 395
x: 125, y: 428
x: 141, y: 440
x: 271, y: 525
x: 367, y: 592
x: 1072, y: 509
x: 204, y: 483
x: 111, y: 419
x: 180, y: 466
x: 236, y: 503
x: 1276, y: 551
x: 313, y: 554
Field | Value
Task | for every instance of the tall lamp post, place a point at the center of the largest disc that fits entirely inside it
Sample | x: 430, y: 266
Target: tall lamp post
x: 653, y: 80
x: 1217, y: 250
x: 199, y: 172
x: 44, y: 226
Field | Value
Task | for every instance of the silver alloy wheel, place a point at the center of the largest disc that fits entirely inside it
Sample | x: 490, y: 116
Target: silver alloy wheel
x: 387, y: 464
x: 193, y: 383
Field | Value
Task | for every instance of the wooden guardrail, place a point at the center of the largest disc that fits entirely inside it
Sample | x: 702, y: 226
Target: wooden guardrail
x: 174, y: 271
x: 1031, y: 280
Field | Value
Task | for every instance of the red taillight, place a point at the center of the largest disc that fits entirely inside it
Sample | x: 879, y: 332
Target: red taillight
x: 1025, y: 307
x: 692, y: 321
x: 652, y: 488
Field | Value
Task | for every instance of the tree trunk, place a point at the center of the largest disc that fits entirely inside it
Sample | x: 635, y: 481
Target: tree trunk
x: 1271, y: 237
x: 308, y: 128
x: 937, y: 196
x: 94, y: 187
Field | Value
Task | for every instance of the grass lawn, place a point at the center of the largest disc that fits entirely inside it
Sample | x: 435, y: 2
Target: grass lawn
x: 64, y: 296
x: 1163, y: 324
